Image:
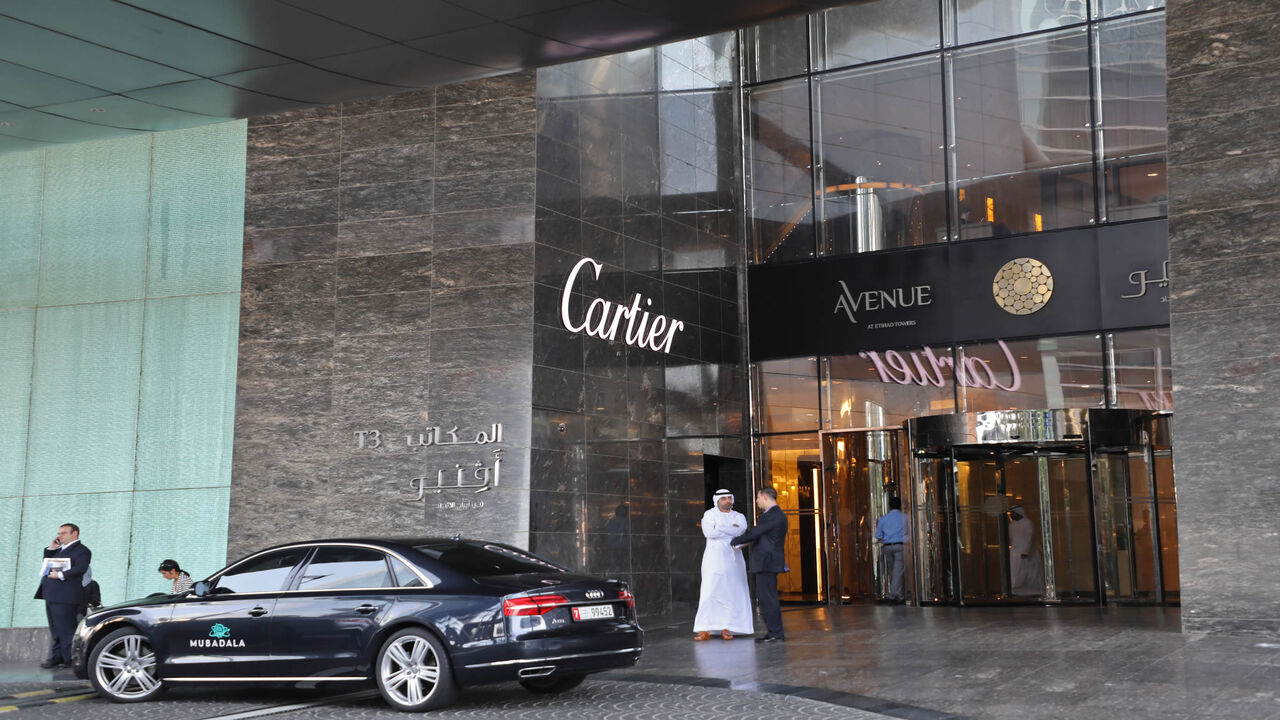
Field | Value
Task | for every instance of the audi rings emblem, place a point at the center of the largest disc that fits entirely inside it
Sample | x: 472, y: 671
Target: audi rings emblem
x: 595, y: 594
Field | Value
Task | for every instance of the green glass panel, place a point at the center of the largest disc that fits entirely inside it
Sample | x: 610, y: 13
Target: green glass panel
x: 10, y: 518
x: 84, y: 399
x: 95, y: 221
x: 197, y: 210
x: 189, y: 526
x: 20, y: 190
x: 104, y: 528
x: 187, y: 404
x: 16, y: 338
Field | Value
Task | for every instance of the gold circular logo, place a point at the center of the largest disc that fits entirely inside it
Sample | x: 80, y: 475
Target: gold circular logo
x: 1022, y: 286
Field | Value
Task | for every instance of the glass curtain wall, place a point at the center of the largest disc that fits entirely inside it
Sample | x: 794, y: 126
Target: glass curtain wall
x: 1128, y: 369
x: 922, y: 121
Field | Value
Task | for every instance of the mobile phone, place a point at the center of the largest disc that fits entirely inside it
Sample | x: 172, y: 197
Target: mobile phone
x: 57, y: 541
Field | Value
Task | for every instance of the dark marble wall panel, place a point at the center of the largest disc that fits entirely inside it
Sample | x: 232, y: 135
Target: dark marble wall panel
x: 1224, y: 156
x: 623, y: 180
x: 379, y: 296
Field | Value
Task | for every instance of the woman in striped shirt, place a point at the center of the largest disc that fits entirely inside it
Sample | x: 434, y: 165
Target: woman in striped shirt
x: 181, y: 580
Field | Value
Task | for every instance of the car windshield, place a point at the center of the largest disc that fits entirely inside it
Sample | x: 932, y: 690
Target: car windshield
x: 484, y: 560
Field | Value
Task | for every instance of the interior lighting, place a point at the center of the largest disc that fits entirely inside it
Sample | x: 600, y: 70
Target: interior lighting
x: 1039, y: 222
x: 1153, y: 174
x: 991, y: 209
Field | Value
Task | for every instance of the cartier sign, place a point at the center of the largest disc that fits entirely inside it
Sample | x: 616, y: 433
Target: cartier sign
x: 611, y: 320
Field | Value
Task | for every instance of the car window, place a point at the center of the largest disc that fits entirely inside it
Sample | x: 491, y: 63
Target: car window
x: 267, y: 573
x: 404, y: 576
x: 338, y: 568
x: 482, y: 560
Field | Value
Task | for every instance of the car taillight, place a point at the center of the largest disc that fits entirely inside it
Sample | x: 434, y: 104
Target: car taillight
x: 625, y: 594
x: 535, y: 605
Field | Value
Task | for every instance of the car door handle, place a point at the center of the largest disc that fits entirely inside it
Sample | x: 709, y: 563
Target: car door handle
x: 367, y: 609
x: 258, y: 611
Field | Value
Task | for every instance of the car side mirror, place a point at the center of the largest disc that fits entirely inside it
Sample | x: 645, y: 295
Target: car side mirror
x: 201, y: 588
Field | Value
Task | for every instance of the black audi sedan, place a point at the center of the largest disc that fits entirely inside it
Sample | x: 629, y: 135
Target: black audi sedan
x: 420, y: 618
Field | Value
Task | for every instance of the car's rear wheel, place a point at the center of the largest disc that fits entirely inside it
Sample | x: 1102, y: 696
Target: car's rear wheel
x: 554, y: 684
x: 413, y: 672
x: 122, y: 667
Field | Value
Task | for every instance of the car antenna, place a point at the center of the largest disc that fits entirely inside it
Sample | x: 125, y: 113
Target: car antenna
x: 456, y: 537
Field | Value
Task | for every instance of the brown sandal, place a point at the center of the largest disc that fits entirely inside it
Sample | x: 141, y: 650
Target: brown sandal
x: 704, y: 635
x: 726, y: 635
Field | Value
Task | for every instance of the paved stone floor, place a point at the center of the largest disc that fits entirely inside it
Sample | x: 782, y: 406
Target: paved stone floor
x: 998, y: 662
x: 858, y: 662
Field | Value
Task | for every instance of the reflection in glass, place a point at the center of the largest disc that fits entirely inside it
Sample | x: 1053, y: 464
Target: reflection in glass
x: 1167, y: 519
x: 883, y: 167
x: 1103, y: 9
x: 978, y: 20
x: 793, y: 467
x: 1126, y: 526
x: 1023, y: 150
x: 1133, y: 133
x: 788, y: 392
x: 697, y: 64
x: 1142, y: 375
x: 1067, y: 480
x: 872, y: 390
x: 1046, y: 373
x: 885, y: 29
x: 933, y: 530
x: 781, y: 171
x: 982, y: 530
x: 778, y: 49
x: 863, y: 471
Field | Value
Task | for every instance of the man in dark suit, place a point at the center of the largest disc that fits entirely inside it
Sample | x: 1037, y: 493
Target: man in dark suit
x: 767, y: 559
x: 62, y: 589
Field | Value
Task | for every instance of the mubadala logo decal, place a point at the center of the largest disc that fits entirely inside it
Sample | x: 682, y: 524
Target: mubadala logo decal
x: 219, y: 636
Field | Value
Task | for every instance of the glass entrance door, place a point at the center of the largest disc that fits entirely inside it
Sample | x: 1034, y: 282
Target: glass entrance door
x: 1137, y: 518
x: 863, y: 470
x: 1022, y: 525
x: 1043, y: 507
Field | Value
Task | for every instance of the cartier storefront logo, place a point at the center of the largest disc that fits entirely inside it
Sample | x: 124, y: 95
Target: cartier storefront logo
x: 605, y: 319
x: 1022, y: 286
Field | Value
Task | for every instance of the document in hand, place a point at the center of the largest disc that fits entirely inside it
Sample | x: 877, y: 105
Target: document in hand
x: 59, y: 564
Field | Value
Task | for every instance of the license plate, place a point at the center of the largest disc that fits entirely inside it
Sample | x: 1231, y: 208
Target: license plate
x: 592, y: 612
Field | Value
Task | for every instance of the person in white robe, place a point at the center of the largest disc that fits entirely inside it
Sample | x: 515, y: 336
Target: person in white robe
x: 1026, y: 568
x: 724, y: 605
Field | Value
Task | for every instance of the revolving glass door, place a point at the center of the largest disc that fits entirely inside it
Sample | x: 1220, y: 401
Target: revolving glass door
x: 863, y: 470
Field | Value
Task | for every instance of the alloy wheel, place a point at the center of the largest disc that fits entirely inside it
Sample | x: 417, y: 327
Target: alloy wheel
x: 125, y: 667
x: 410, y: 669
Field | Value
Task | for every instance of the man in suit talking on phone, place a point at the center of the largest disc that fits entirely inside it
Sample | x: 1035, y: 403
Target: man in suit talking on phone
x: 768, y: 538
x: 62, y: 589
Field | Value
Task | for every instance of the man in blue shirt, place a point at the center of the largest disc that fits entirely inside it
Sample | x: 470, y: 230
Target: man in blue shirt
x: 891, y: 531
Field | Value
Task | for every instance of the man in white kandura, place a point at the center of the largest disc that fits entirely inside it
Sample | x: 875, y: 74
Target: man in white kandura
x: 725, y: 603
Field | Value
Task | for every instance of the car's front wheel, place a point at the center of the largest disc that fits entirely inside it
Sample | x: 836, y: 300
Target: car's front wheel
x: 413, y: 672
x: 555, y: 684
x: 122, y: 667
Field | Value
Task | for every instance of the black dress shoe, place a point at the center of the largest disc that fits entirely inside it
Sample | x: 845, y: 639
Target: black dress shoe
x: 771, y: 638
x: 47, y: 664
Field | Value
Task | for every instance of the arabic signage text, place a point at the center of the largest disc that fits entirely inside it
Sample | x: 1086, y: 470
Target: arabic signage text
x: 478, y: 476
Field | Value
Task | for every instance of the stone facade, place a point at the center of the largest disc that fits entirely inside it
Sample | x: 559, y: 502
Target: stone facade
x: 388, y: 286
x: 1224, y: 250
x: 404, y: 264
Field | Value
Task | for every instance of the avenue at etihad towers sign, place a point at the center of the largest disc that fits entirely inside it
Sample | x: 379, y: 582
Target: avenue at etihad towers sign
x: 964, y: 292
x: 631, y: 322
